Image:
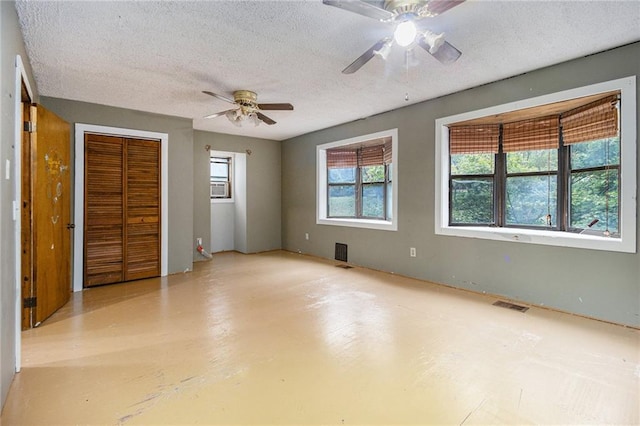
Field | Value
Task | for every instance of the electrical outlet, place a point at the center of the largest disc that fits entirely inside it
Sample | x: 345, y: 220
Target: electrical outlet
x: 412, y: 252
x: 199, y: 241
x: 306, y: 235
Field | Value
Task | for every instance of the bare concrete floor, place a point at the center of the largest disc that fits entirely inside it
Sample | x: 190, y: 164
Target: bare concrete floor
x: 280, y: 338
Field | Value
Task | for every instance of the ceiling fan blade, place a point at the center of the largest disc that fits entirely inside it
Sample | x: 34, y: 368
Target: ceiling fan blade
x: 370, y: 9
x: 215, y: 95
x: 437, y: 7
x: 447, y: 54
x: 218, y: 114
x: 264, y: 118
x: 365, y: 57
x: 276, y: 107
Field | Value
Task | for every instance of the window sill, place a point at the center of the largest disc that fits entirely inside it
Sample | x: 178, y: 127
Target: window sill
x: 534, y: 236
x: 222, y: 200
x: 360, y: 223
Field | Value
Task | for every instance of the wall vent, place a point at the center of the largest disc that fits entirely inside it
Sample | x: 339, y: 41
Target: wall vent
x: 509, y: 305
x: 341, y: 252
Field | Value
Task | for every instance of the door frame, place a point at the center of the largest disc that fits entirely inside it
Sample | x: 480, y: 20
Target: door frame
x: 21, y: 78
x: 78, y: 211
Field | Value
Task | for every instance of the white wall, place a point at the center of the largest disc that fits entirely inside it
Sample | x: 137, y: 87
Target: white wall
x: 223, y: 218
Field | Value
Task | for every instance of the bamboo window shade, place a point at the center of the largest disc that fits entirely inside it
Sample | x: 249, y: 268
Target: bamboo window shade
x: 530, y: 135
x: 360, y: 156
x: 341, y: 158
x: 474, y: 139
x: 597, y: 120
x: 387, y: 156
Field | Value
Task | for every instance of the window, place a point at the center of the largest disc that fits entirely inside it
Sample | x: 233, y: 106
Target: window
x: 356, y: 181
x: 220, y: 175
x: 553, y: 173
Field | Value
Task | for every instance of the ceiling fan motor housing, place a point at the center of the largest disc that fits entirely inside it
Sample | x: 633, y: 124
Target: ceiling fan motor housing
x: 246, y: 98
x: 414, y: 8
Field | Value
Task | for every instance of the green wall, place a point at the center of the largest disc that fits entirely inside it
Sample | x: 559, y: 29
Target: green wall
x: 599, y: 284
x: 180, y: 159
x: 11, y: 44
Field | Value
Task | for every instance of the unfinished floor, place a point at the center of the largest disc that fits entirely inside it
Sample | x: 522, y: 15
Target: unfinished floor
x: 281, y: 338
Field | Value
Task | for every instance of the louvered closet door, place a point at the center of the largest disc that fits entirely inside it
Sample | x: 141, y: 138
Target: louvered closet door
x: 122, y: 209
x: 142, y: 247
x: 104, y: 209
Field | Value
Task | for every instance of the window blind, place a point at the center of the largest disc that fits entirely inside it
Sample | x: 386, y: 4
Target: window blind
x: 362, y: 156
x: 371, y: 156
x: 530, y: 135
x: 597, y: 120
x: 474, y: 139
x: 341, y: 158
x: 387, y: 157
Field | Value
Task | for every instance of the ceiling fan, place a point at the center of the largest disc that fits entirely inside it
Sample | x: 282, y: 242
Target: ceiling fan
x: 247, y: 108
x: 408, y: 18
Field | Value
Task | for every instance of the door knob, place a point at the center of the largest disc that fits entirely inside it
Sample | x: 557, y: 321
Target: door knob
x: 71, y: 225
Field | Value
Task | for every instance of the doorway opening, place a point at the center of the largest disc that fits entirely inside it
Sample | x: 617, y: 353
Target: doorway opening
x: 79, y: 181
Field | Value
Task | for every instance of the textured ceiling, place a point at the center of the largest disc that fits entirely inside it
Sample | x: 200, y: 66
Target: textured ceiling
x: 160, y: 56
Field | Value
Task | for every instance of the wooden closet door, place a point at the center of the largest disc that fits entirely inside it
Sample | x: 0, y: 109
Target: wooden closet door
x: 122, y: 209
x: 104, y: 210
x: 142, y: 236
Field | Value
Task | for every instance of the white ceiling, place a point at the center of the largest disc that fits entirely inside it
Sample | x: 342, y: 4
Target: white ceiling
x: 159, y: 56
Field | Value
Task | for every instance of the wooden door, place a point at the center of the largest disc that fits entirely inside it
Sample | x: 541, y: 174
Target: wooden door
x: 46, y: 210
x: 103, y: 211
x: 142, y: 247
x: 122, y: 209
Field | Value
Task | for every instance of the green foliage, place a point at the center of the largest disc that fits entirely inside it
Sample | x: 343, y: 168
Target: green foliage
x: 343, y: 175
x: 529, y: 200
x: 472, y: 164
x: 594, y: 154
x: 372, y: 174
x: 472, y: 201
x: 532, y: 161
x: 373, y: 200
x: 593, y: 194
x: 342, y: 201
x: 590, y: 199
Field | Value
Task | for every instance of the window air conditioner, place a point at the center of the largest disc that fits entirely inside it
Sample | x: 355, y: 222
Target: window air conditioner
x: 219, y: 190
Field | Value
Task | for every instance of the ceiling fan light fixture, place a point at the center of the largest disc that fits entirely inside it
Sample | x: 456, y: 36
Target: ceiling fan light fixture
x: 253, y: 117
x: 405, y: 33
x: 384, y: 50
x: 235, y: 117
x: 435, y: 41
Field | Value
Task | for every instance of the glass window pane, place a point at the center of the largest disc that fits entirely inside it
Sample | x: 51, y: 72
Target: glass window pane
x: 342, y: 201
x: 472, y: 201
x: 594, y: 154
x: 472, y: 164
x: 590, y: 200
x: 373, y: 200
x: 345, y: 175
x: 389, y: 201
x: 372, y: 174
x: 532, y: 161
x: 530, y: 199
x: 220, y: 170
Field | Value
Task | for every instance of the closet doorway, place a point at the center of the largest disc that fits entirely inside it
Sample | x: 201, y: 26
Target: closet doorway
x: 120, y: 205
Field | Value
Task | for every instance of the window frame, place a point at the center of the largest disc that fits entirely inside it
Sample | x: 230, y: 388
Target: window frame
x: 231, y: 158
x: 627, y: 185
x: 322, y: 217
